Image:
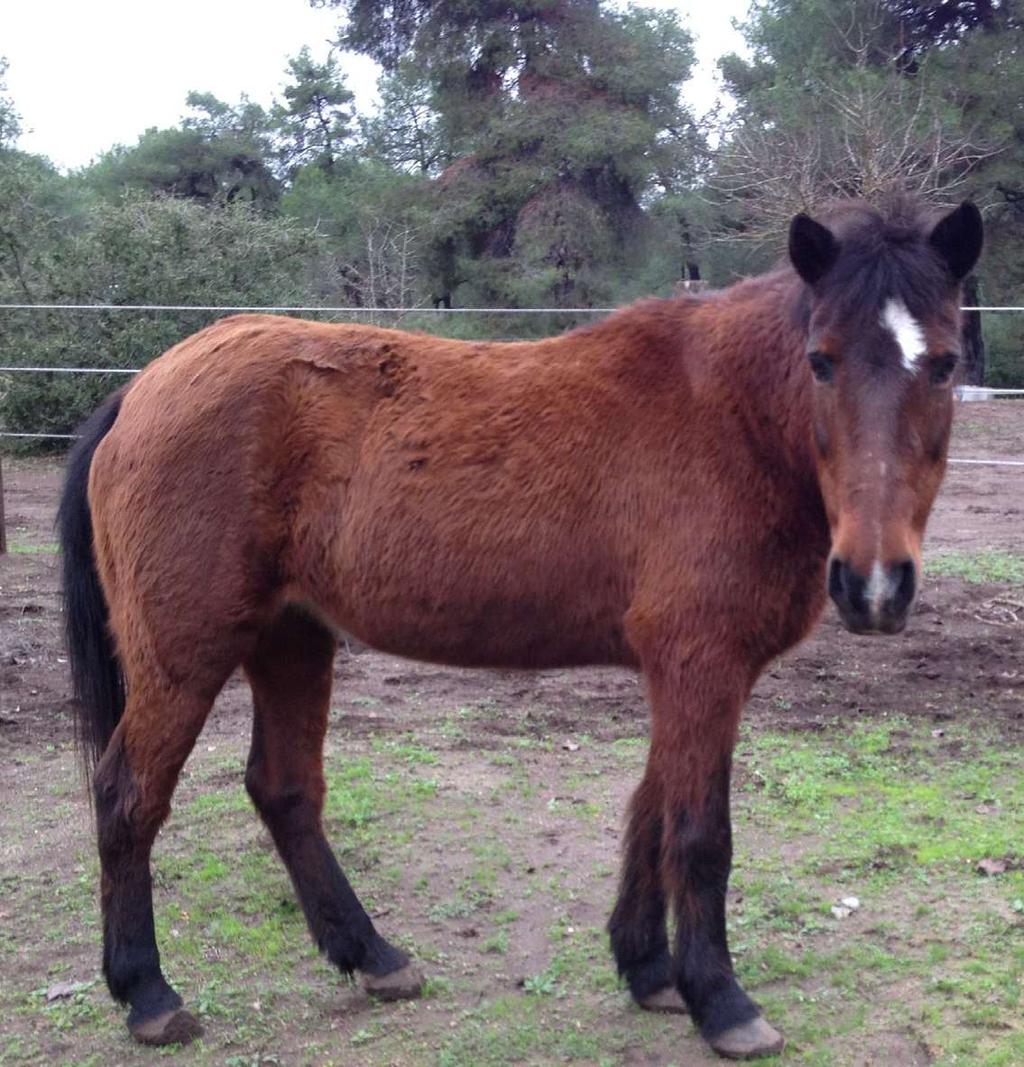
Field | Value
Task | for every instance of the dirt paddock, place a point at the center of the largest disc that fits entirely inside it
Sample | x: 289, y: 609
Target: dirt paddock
x: 479, y: 814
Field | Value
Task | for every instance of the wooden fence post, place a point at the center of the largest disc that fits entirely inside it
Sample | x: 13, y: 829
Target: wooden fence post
x: 3, y: 527
x: 973, y: 341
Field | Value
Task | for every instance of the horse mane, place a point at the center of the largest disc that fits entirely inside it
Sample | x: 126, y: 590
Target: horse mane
x: 884, y: 254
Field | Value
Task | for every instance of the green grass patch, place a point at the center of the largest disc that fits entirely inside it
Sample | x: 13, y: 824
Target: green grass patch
x: 523, y: 1029
x: 43, y: 548
x: 454, y: 857
x: 986, y: 566
x: 885, y: 796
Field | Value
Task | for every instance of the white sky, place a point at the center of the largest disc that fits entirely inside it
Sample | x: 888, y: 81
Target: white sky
x: 88, y: 74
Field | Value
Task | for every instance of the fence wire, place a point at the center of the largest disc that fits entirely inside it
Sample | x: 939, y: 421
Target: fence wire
x: 430, y: 310
x: 963, y: 392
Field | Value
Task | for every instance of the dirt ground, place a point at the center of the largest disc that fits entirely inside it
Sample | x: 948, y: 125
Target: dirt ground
x: 571, y: 740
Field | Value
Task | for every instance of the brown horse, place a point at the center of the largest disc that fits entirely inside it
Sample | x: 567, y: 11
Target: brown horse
x: 672, y: 489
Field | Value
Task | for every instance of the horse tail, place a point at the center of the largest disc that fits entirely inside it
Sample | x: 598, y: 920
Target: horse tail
x: 97, y: 682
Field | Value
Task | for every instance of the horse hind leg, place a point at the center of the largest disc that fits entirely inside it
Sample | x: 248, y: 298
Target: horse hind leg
x: 637, y: 926
x: 133, y: 784
x: 290, y: 672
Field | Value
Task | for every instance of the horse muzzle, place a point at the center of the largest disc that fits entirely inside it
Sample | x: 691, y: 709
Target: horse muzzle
x: 876, y: 603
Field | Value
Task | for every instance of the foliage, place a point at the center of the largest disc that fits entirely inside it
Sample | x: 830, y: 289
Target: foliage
x: 10, y: 120
x: 531, y: 152
x: 827, y: 109
x: 36, y: 206
x: 925, y: 25
x: 407, y: 132
x: 367, y: 220
x: 135, y: 251
x: 558, y: 118
x: 220, y: 154
x: 314, y: 121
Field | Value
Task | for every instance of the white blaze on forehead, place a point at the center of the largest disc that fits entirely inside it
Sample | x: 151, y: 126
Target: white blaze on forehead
x: 907, y: 331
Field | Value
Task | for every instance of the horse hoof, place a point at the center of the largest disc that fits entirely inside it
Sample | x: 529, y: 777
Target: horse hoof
x: 404, y: 984
x: 175, y: 1027
x: 748, y: 1041
x: 666, y: 1000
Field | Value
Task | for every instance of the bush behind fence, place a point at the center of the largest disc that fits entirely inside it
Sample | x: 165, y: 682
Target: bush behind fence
x: 129, y: 339
x: 119, y: 340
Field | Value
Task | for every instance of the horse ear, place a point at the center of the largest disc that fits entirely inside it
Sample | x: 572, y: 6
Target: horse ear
x: 812, y: 248
x: 958, y: 238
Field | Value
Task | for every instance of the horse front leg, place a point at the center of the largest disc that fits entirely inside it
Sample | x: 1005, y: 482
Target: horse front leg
x: 696, y: 702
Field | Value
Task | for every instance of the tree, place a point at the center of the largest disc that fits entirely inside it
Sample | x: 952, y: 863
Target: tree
x: 981, y: 54
x: 877, y: 96
x: 928, y: 25
x: 10, y: 120
x: 861, y: 132
x: 827, y: 109
x: 219, y: 154
x: 971, y: 50
x: 36, y: 206
x: 368, y: 221
x: 406, y: 131
x: 558, y: 116
x: 315, y: 120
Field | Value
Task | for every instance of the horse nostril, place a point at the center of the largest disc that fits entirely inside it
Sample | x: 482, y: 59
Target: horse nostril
x: 904, y: 580
x: 847, y: 588
x: 836, y: 589
x: 878, y: 603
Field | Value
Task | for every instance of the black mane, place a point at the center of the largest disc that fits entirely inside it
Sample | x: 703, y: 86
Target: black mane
x: 884, y: 253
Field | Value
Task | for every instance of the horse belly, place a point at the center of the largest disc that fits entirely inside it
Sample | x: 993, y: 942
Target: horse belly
x: 494, y: 634
x: 496, y: 605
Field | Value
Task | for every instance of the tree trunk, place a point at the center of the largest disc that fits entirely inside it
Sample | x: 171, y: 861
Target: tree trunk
x: 973, y: 342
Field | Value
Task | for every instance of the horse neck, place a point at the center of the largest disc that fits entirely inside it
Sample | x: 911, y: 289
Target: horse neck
x: 758, y: 359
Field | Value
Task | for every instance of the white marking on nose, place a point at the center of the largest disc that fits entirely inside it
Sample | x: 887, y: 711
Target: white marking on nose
x: 907, y: 331
x: 879, y: 587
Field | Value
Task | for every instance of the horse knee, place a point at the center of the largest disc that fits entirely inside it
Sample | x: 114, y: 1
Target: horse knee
x: 264, y: 797
x: 282, y: 803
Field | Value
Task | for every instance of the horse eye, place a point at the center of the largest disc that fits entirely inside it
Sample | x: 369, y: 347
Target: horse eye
x: 821, y: 366
x: 940, y: 370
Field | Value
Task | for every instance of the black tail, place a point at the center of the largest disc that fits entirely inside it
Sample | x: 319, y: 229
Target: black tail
x: 96, y: 679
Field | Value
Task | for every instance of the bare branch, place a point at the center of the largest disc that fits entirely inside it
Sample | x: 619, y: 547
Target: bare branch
x: 870, y: 134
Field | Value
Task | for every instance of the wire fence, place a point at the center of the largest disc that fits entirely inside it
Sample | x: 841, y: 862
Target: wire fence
x: 963, y: 392
x: 417, y: 310
x: 295, y: 309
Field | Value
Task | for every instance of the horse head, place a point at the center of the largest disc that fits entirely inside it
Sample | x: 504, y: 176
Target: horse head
x: 881, y: 310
